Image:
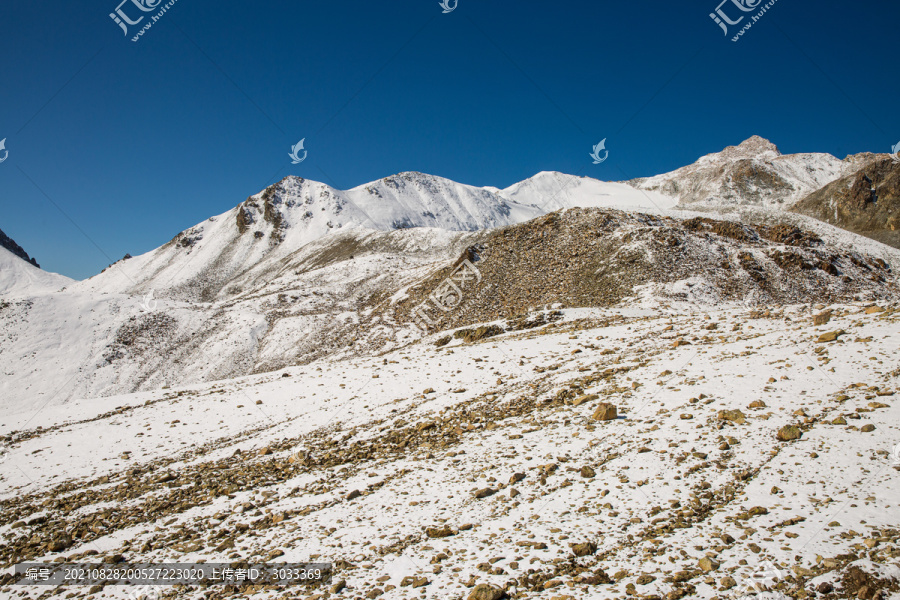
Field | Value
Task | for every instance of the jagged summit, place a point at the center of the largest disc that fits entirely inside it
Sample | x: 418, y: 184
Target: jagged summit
x: 11, y: 245
x: 753, y: 147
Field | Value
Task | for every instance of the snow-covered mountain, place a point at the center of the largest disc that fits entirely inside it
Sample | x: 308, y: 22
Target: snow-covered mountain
x: 752, y: 173
x: 301, y: 271
x: 615, y: 399
x: 550, y: 191
x: 20, y: 278
x: 218, y: 258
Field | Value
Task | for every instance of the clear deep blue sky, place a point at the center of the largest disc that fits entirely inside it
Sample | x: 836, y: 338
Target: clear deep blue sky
x: 116, y: 146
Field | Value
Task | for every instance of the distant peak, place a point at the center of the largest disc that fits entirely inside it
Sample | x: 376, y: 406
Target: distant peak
x: 758, y: 144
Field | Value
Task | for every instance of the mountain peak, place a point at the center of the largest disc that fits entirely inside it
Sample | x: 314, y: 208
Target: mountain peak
x: 752, y: 146
x: 10, y: 244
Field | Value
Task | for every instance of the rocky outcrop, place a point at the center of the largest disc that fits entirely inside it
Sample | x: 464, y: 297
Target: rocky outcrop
x: 866, y: 202
x: 10, y: 244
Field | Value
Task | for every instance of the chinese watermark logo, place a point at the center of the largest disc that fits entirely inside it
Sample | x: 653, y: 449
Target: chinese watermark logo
x: 4, y: 150
x: 296, y: 159
x: 4, y: 454
x: 448, y: 8
x: 895, y: 455
x: 145, y: 592
x: 596, y: 153
x: 121, y: 18
x: 723, y: 19
x: 767, y: 577
x: 449, y: 294
x: 895, y: 152
x: 149, y: 303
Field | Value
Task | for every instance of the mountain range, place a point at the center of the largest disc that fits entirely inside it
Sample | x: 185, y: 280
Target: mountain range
x: 669, y: 388
x: 301, y: 271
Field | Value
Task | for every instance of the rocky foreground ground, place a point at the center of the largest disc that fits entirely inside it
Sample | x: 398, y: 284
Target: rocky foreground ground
x: 688, y: 451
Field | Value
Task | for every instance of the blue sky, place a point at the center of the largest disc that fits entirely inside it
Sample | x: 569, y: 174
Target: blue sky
x: 116, y: 146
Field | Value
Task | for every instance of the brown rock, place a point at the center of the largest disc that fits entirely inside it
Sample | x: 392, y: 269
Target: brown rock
x: 605, y: 412
x: 732, y: 416
x: 484, y: 591
x: 439, y: 532
x: 484, y: 492
x: 830, y: 336
x: 585, y: 398
x: 789, y: 433
x: 707, y: 564
x: 583, y: 549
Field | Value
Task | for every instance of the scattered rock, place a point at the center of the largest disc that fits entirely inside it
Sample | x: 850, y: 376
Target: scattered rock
x: 789, y: 433
x: 831, y: 336
x: 583, y: 549
x: 484, y: 492
x: 605, y: 412
x: 733, y: 416
x: 484, y: 591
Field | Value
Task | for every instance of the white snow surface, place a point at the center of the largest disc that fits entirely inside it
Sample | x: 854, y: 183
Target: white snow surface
x: 21, y: 279
x: 667, y: 455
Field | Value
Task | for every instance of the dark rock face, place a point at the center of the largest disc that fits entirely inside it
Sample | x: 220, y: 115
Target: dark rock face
x: 866, y: 202
x: 8, y: 243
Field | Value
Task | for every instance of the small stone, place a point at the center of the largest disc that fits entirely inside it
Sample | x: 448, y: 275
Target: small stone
x: 605, y: 412
x: 824, y: 588
x: 585, y: 398
x: 484, y: 492
x: 733, y: 416
x: 353, y: 495
x: 338, y: 587
x: 439, y: 532
x: 822, y: 318
x: 867, y: 428
x: 707, y: 564
x: 484, y: 591
x: 727, y: 583
x: 789, y: 433
x: 831, y: 336
x: 583, y: 549
x: 839, y: 421
x: 586, y: 471
x: 757, y: 404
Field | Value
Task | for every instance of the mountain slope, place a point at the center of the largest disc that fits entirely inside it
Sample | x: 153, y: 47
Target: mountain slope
x: 752, y: 173
x: 866, y: 202
x: 203, y: 262
x: 428, y: 471
x: 21, y: 278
